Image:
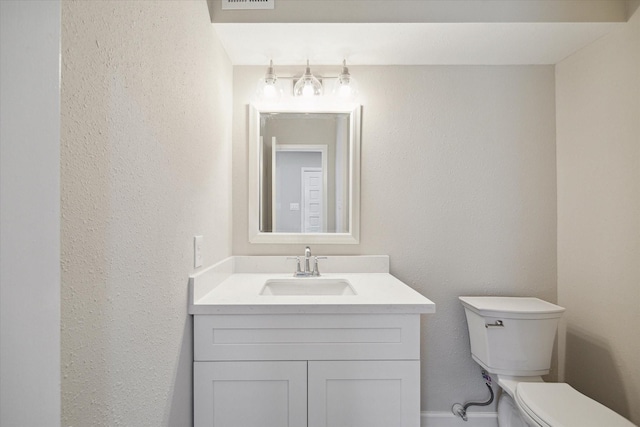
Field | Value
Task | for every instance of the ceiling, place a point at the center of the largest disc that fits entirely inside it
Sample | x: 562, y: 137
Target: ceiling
x: 407, y: 43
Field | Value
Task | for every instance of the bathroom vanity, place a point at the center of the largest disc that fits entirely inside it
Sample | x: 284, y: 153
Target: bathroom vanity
x: 271, y: 350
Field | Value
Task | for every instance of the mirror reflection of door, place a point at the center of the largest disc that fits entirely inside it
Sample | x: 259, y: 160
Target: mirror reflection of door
x: 298, y: 194
x: 312, y: 201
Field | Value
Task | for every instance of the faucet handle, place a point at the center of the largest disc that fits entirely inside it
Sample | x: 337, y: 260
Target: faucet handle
x: 298, y: 269
x: 316, y: 270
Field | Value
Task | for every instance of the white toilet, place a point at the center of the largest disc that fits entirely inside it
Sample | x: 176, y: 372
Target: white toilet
x: 512, y: 339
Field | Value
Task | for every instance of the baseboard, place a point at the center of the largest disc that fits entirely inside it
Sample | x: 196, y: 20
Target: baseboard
x: 447, y: 419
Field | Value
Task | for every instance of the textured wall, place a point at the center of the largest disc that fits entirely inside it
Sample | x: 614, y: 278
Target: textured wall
x: 598, y: 104
x: 30, y: 213
x: 146, y: 162
x: 458, y: 187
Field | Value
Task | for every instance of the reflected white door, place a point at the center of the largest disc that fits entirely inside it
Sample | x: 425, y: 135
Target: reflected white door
x: 312, y: 201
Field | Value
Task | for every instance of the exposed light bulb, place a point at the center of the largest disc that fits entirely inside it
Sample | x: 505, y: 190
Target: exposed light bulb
x: 307, y: 90
x: 344, y: 91
x: 269, y: 91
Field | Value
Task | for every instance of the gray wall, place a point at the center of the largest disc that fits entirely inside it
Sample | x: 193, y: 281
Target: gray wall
x: 30, y: 213
x: 146, y: 114
x: 458, y: 187
x: 598, y: 103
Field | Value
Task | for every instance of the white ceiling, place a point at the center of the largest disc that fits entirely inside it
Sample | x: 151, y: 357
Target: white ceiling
x: 407, y: 43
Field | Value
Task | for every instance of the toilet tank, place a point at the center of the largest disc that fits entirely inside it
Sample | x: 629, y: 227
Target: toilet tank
x: 512, y: 335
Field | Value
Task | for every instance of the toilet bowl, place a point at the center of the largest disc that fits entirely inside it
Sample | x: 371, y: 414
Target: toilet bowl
x: 512, y: 338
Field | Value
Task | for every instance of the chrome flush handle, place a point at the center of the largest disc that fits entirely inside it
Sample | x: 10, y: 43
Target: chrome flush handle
x: 497, y: 324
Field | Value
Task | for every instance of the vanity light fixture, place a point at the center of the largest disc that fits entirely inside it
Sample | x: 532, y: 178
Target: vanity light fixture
x: 269, y: 89
x: 346, y: 86
x: 308, y: 85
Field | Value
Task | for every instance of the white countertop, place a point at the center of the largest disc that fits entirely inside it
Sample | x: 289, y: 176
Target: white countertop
x: 233, y: 287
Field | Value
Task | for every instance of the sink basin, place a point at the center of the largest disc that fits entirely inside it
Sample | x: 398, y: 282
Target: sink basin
x: 307, y: 286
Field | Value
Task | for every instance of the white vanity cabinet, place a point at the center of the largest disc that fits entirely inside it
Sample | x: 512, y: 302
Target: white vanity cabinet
x: 363, y: 393
x: 315, y: 370
x: 265, y: 393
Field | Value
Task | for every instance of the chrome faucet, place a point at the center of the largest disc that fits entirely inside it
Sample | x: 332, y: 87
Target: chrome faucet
x: 307, y: 257
x: 307, y: 272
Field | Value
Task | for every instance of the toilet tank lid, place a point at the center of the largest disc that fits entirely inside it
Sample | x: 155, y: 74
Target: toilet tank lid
x: 514, y: 307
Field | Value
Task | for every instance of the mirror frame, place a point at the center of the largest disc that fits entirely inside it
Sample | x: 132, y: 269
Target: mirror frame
x: 257, y: 236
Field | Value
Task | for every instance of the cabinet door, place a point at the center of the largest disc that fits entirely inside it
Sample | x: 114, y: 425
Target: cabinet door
x: 364, y: 394
x: 250, y: 394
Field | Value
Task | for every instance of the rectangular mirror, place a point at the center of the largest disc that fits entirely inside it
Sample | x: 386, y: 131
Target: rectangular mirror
x: 304, y: 175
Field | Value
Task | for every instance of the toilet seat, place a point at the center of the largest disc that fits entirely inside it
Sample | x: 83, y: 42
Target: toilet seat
x: 560, y: 405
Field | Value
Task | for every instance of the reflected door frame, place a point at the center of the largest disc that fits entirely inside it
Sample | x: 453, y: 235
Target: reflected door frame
x: 323, y: 149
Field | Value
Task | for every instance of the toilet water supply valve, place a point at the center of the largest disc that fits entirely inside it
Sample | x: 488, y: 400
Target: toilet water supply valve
x: 461, y: 410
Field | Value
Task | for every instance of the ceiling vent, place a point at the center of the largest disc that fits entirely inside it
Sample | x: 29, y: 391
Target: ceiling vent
x: 247, y: 4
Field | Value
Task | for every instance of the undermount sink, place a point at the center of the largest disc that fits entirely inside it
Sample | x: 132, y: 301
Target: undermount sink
x: 307, y: 286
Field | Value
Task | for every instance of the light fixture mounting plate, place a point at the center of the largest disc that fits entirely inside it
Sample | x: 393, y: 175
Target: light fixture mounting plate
x: 247, y: 4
